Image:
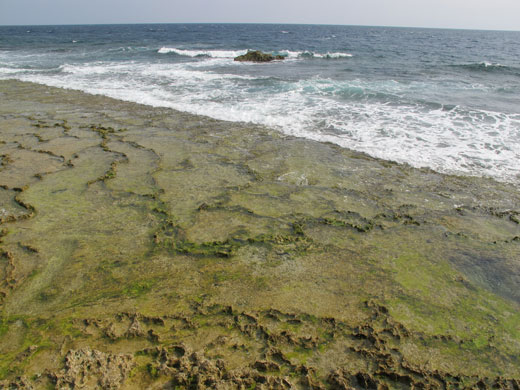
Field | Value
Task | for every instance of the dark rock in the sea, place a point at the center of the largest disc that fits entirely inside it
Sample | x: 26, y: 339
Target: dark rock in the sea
x: 258, y: 56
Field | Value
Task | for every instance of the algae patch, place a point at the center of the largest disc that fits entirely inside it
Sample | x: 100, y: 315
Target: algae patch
x: 151, y: 248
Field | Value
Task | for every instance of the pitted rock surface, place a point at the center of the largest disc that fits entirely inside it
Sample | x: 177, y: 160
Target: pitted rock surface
x: 88, y: 369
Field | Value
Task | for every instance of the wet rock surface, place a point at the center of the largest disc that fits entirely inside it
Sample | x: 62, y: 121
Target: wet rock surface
x: 258, y: 56
x: 147, y: 248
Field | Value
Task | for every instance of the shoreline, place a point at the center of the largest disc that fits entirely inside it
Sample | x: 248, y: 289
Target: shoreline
x: 196, y: 252
x: 322, y: 138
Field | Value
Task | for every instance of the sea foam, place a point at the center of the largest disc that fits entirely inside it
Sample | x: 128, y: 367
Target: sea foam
x: 236, y: 53
x: 451, y: 140
x: 202, y: 53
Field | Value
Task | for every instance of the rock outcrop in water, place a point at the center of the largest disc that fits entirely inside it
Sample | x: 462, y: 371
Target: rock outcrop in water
x: 258, y: 56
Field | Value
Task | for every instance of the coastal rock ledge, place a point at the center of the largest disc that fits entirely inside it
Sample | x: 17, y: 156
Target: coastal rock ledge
x: 258, y: 56
x: 147, y: 248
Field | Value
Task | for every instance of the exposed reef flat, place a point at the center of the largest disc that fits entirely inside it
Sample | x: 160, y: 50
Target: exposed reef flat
x: 148, y: 248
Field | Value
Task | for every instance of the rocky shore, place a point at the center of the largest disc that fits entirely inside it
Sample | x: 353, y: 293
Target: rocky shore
x: 148, y: 248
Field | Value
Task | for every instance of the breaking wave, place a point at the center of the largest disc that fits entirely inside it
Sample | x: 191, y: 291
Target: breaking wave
x: 489, y: 67
x: 202, y: 53
x: 236, y: 53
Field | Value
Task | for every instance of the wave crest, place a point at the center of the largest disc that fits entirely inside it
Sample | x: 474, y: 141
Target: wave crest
x: 331, y: 55
x: 236, y: 53
x: 202, y: 53
x: 489, y: 67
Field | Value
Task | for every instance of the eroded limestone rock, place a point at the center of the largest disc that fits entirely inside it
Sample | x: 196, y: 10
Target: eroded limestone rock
x: 86, y: 368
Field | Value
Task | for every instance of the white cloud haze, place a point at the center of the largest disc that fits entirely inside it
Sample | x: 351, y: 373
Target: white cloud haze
x: 476, y: 14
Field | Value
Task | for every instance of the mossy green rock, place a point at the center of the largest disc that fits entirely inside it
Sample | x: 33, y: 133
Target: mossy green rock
x: 143, y: 247
x: 258, y: 56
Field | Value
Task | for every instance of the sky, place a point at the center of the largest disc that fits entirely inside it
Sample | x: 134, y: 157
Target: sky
x: 465, y: 14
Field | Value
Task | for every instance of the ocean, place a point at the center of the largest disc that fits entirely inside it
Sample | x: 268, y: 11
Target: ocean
x: 444, y: 99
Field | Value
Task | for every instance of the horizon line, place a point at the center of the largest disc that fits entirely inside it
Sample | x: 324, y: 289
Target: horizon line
x: 261, y: 23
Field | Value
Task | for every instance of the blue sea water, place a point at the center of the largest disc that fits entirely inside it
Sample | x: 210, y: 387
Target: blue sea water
x: 444, y: 99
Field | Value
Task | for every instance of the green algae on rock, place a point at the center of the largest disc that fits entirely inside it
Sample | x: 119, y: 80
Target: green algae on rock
x: 258, y: 56
x: 148, y: 248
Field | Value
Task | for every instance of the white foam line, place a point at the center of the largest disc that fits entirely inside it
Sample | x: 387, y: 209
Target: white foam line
x: 202, y: 53
x: 235, y: 53
x: 480, y: 143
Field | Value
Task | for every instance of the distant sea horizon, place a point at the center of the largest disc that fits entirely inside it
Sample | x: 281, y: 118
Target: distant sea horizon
x: 260, y: 23
x: 446, y: 99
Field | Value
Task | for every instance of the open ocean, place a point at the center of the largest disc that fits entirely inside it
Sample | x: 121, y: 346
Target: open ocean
x: 444, y: 99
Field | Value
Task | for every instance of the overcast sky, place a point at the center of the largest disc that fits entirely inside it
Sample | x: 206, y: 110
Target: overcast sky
x: 472, y: 14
